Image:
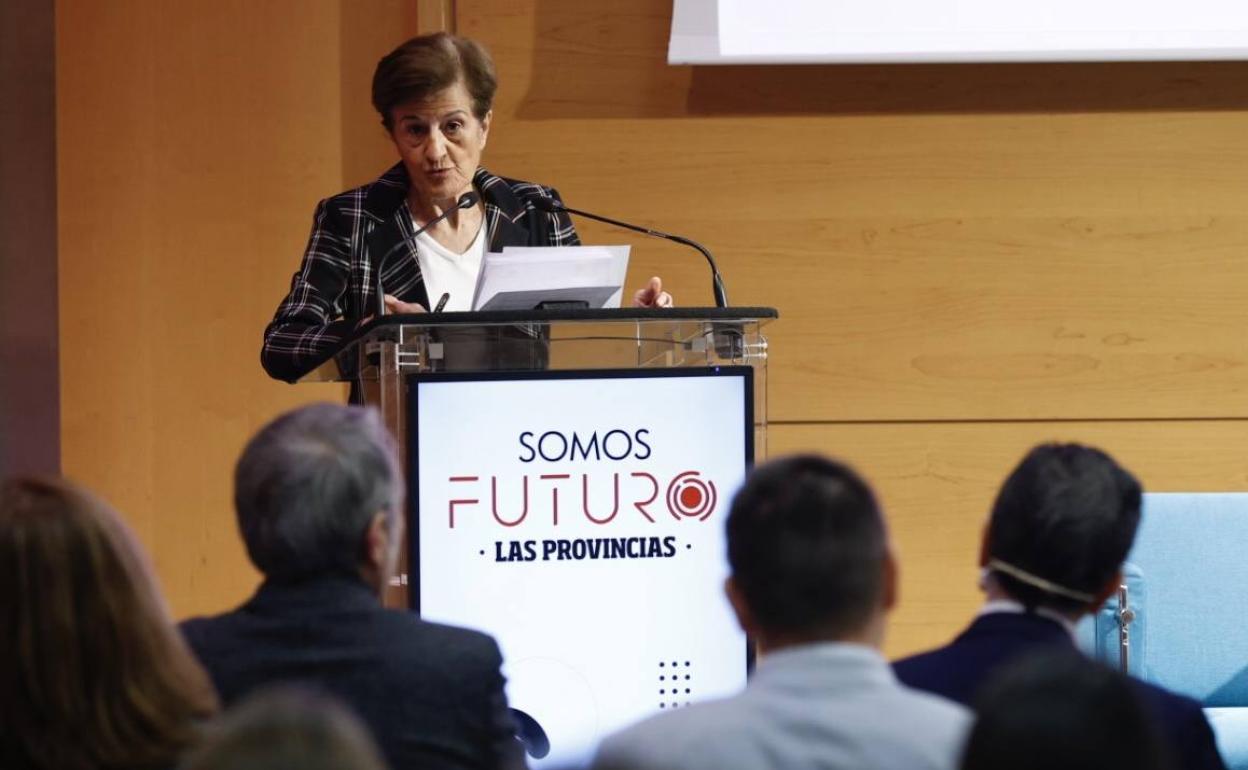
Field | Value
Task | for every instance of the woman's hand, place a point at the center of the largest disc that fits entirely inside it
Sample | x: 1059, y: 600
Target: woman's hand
x: 652, y: 295
x: 396, y: 306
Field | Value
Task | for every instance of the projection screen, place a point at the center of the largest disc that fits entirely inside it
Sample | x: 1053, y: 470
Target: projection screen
x: 913, y: 31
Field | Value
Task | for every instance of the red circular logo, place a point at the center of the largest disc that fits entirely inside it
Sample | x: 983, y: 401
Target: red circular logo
x: 691, y: 497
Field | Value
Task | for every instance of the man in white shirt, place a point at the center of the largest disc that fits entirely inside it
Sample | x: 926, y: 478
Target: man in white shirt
x: 813, y: 578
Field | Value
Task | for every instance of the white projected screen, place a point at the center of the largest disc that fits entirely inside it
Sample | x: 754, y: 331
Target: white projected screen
x: 853, y: 31
x: 579, y: 519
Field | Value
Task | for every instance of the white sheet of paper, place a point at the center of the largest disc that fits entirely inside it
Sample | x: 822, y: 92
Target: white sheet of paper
x: 534, y: 268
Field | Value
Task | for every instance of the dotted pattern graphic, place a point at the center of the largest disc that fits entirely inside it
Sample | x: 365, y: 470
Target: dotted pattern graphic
x: 675, y: 684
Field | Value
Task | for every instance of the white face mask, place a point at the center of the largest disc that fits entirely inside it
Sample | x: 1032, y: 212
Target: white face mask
x: 1048, y: 586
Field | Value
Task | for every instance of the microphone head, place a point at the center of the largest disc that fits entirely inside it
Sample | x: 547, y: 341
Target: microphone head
x: 548, y: 205
x: 468, y: 200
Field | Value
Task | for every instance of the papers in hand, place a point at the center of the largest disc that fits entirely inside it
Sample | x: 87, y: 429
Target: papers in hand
x: 521, y: 278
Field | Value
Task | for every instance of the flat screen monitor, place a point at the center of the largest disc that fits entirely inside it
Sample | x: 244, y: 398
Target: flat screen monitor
x: 578, y: 517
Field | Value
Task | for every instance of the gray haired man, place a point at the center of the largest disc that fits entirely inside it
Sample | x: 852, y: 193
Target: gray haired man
x: 318, y: 494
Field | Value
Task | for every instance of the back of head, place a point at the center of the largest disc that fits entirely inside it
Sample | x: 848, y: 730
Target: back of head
x: 287, y: 729
x: 95, y: 673
x: 308, y: 485
x: 807, y: 547
x: 1061, y: 526
x: 1060, y: 710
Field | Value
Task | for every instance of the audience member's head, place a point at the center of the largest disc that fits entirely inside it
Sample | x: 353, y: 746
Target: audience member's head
x: 287, y: 729
x: 1061, y: 527
x: 1060, y: 710
x: 317, y: 493
x: 809, y: 554
x: 95, y: 675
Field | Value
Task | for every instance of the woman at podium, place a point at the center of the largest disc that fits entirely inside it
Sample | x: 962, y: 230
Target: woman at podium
x: 434, y: 94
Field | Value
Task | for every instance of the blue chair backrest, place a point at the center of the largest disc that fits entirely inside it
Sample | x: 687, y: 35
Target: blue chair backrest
x: 1188, y: 583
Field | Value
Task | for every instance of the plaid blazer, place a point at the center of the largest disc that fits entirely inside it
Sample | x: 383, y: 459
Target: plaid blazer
x: 333, y: 288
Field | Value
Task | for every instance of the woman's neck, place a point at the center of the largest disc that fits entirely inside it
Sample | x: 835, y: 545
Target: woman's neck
x: 457, y: 232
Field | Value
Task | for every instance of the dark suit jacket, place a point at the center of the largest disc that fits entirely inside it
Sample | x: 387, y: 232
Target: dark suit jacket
x: 958, y: 670
x: 333, y: 288
x: 432, y: 694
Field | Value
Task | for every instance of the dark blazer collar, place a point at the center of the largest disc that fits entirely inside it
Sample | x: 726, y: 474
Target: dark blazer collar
x: 327, y: 593
x: 386, y: 195
x: 386, y: 203
x: 1018, y: 626
x: 504, y: 209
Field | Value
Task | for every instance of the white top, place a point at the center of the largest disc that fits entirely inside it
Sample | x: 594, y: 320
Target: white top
x: 827, y: 706
x: 444, y: 271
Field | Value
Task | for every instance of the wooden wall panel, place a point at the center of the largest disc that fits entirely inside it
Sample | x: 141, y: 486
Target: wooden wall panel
x: 932, y: 255
x: 937, y: 481
x: 194, y: 140
x: 966, y: 258
x: 365, y: 38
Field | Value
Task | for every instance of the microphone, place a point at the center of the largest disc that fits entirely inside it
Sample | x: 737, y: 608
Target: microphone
x: 552, y: 206
x: 465, y: 201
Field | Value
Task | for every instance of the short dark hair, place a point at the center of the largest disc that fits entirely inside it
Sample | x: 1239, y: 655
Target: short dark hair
x: 807, y: 545
x: 425, y: 65
x: 1067, y: 515
x: 307, y: 486
x: 1059, y: 709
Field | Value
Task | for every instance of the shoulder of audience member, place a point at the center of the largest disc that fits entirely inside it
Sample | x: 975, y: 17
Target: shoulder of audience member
x: 937, y: 707
x: 201, y: 626
x: 1180, y: 712
x: 675, y: 739
x: 455, y: 643
x: 394, y: 620
x: 917, y: 662
x: 1166, y: 704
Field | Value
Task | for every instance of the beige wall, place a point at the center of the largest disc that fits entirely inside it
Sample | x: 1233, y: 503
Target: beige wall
x: 194, y: 140
x: 967, y: 259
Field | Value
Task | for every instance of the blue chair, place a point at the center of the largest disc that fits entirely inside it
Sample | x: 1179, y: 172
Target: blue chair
x: 1187, y: 592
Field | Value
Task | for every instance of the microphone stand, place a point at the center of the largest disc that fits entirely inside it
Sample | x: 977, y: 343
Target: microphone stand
x: 465, y: 201
x: 727, y: 340
x: 717, y: 281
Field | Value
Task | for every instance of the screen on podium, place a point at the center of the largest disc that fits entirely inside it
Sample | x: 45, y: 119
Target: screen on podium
x: 578, y: 517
